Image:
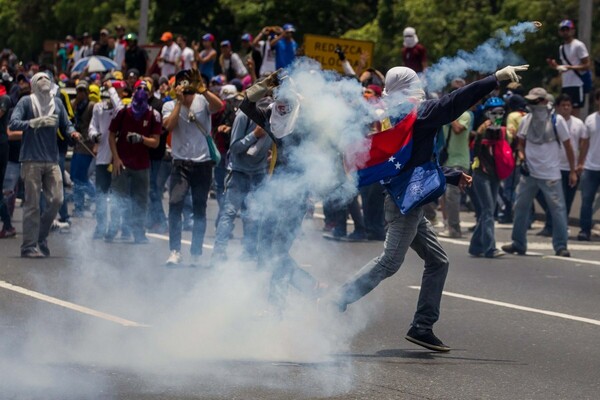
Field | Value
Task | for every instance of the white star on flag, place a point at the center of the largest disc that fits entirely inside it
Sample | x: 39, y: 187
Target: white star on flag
x: 398, y: 165
x: 392, y: 159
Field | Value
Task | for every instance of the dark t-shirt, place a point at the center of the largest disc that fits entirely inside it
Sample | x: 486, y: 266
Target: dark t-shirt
x: 135, y: 156
x: 136, y: 58
x: 5, y: 106
x: 414, y: 57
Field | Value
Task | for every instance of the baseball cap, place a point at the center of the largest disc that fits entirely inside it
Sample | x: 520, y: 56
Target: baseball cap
x: 566, y: 23
x: 82, y: 84
x: 104, y: 31
x: 247, y: 37
x: 142, y: 83
x: 217, y: 80
x: 166, y: 36
x: 118, y: 75
x: 208, y: 37
x: 163, y: 79
x: 86, y: 34
x: 289, y: 28
x: 119, y: 84
x: 225, y: 43
x: 133, y: 72
x: 536, y: 94
x: 228, y: 91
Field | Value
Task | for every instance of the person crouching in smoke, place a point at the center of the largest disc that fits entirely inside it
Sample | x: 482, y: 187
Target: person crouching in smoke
x: 410, y: 228
x: 283, y: 198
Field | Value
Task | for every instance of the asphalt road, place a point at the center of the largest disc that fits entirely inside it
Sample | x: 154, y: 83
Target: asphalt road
x: 119, y: 325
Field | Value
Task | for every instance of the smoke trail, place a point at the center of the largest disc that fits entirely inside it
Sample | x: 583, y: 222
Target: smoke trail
x: 486, y: 58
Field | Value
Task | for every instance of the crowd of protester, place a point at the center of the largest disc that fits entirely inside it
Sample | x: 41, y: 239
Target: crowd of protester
x: 173, y: 125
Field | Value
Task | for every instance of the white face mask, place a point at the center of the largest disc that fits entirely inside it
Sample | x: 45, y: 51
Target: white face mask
x: 539, y: 111
x: 283, y: 118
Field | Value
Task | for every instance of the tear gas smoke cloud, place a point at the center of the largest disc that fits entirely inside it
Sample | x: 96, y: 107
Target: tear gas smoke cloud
x: 486, y: 58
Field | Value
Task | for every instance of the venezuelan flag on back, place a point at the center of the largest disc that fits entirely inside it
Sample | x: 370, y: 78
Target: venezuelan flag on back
x: 384, y: 154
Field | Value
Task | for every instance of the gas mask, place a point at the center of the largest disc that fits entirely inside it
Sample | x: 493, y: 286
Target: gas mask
x: 496, y: 116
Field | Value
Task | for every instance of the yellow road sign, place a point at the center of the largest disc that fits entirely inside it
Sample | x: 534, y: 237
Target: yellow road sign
x: 322, y: 49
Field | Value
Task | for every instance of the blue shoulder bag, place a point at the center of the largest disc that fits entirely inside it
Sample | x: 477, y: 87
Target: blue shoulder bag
x: 417, y: 186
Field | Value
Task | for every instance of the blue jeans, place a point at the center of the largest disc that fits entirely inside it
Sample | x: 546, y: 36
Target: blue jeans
x: 159, y: 173
x: 590, y: 181
x: 411, y: 230
x: 220, y: 173
x: 239, y: 188
x: 63, y: 212
x: 569, y: 193
x: 555, y: 199
x: 483, y: 241
x: 186, y: 176
x: 80, y: 165
x: 103, y: 181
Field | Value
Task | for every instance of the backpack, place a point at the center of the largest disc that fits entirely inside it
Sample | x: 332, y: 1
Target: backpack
x: 503, y: 157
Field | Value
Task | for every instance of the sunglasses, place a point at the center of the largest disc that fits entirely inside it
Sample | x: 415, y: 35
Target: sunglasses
x: 536, y: 101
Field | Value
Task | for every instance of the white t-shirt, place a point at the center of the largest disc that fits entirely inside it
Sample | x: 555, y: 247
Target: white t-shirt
x: 187, y: 58
x: 592, y: 131
x: 170, y: 53
x: 543, y: 159
x: 188, y: 141
x: 268, y: 58
x: 237, y: 65
x: 575, y: 52
x: 576, y: 132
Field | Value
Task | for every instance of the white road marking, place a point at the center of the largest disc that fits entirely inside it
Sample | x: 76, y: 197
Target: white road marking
x: 71, y: 306
x: 575, y: 260
x: 517, y: 307
x: 163, y: 237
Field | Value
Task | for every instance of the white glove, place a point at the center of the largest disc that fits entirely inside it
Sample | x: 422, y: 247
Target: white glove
x: 260, y: 88
x: 510, y: 73
x: 134, y: 138
x: 561, y: 69
x: 44, y: 122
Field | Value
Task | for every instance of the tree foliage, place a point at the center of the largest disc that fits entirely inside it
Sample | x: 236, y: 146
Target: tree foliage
x: 443, y: 27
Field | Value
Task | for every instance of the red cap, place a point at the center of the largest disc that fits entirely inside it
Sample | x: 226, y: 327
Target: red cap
x: 119, y: 84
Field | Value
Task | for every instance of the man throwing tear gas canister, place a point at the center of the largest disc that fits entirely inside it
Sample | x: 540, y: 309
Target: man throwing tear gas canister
x: 408, y: 227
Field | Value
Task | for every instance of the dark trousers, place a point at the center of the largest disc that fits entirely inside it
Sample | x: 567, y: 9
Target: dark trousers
x: 373, y: 197
x: 130, y: 200
x: 197, y: 178
x: 4, y: 214
x: 281, y: 214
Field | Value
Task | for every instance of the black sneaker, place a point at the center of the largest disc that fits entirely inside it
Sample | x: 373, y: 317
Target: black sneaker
x: 544, y: 232
x: 584, y: 236
x: 32, y: 253
x: 511, y: 249
x: 563, y: 253
x: 43, y: 246
x: 425, y: 338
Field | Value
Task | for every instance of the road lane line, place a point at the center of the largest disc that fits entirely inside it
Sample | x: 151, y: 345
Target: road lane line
x: 163, y: 237
x: 517, y: 307
x: 71, y: 306
x: 576, y: 260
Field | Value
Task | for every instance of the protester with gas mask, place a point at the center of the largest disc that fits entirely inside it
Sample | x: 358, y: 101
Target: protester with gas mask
x: 133, y: 130
x: 412, y: 114
x: 40, y: 116
x: 486, y: 181
x: 542, y: 135
x: 188, y: 118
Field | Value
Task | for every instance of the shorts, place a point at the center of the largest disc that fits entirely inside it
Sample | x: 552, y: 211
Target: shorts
x: 576, y: 94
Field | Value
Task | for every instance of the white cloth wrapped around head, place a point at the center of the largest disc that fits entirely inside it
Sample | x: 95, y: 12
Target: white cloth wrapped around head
x: 410, y: 37
x: 403, y: 82
x: 42, y: 99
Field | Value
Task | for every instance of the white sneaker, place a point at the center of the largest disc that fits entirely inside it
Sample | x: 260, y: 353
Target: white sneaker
x: 174, y: 258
